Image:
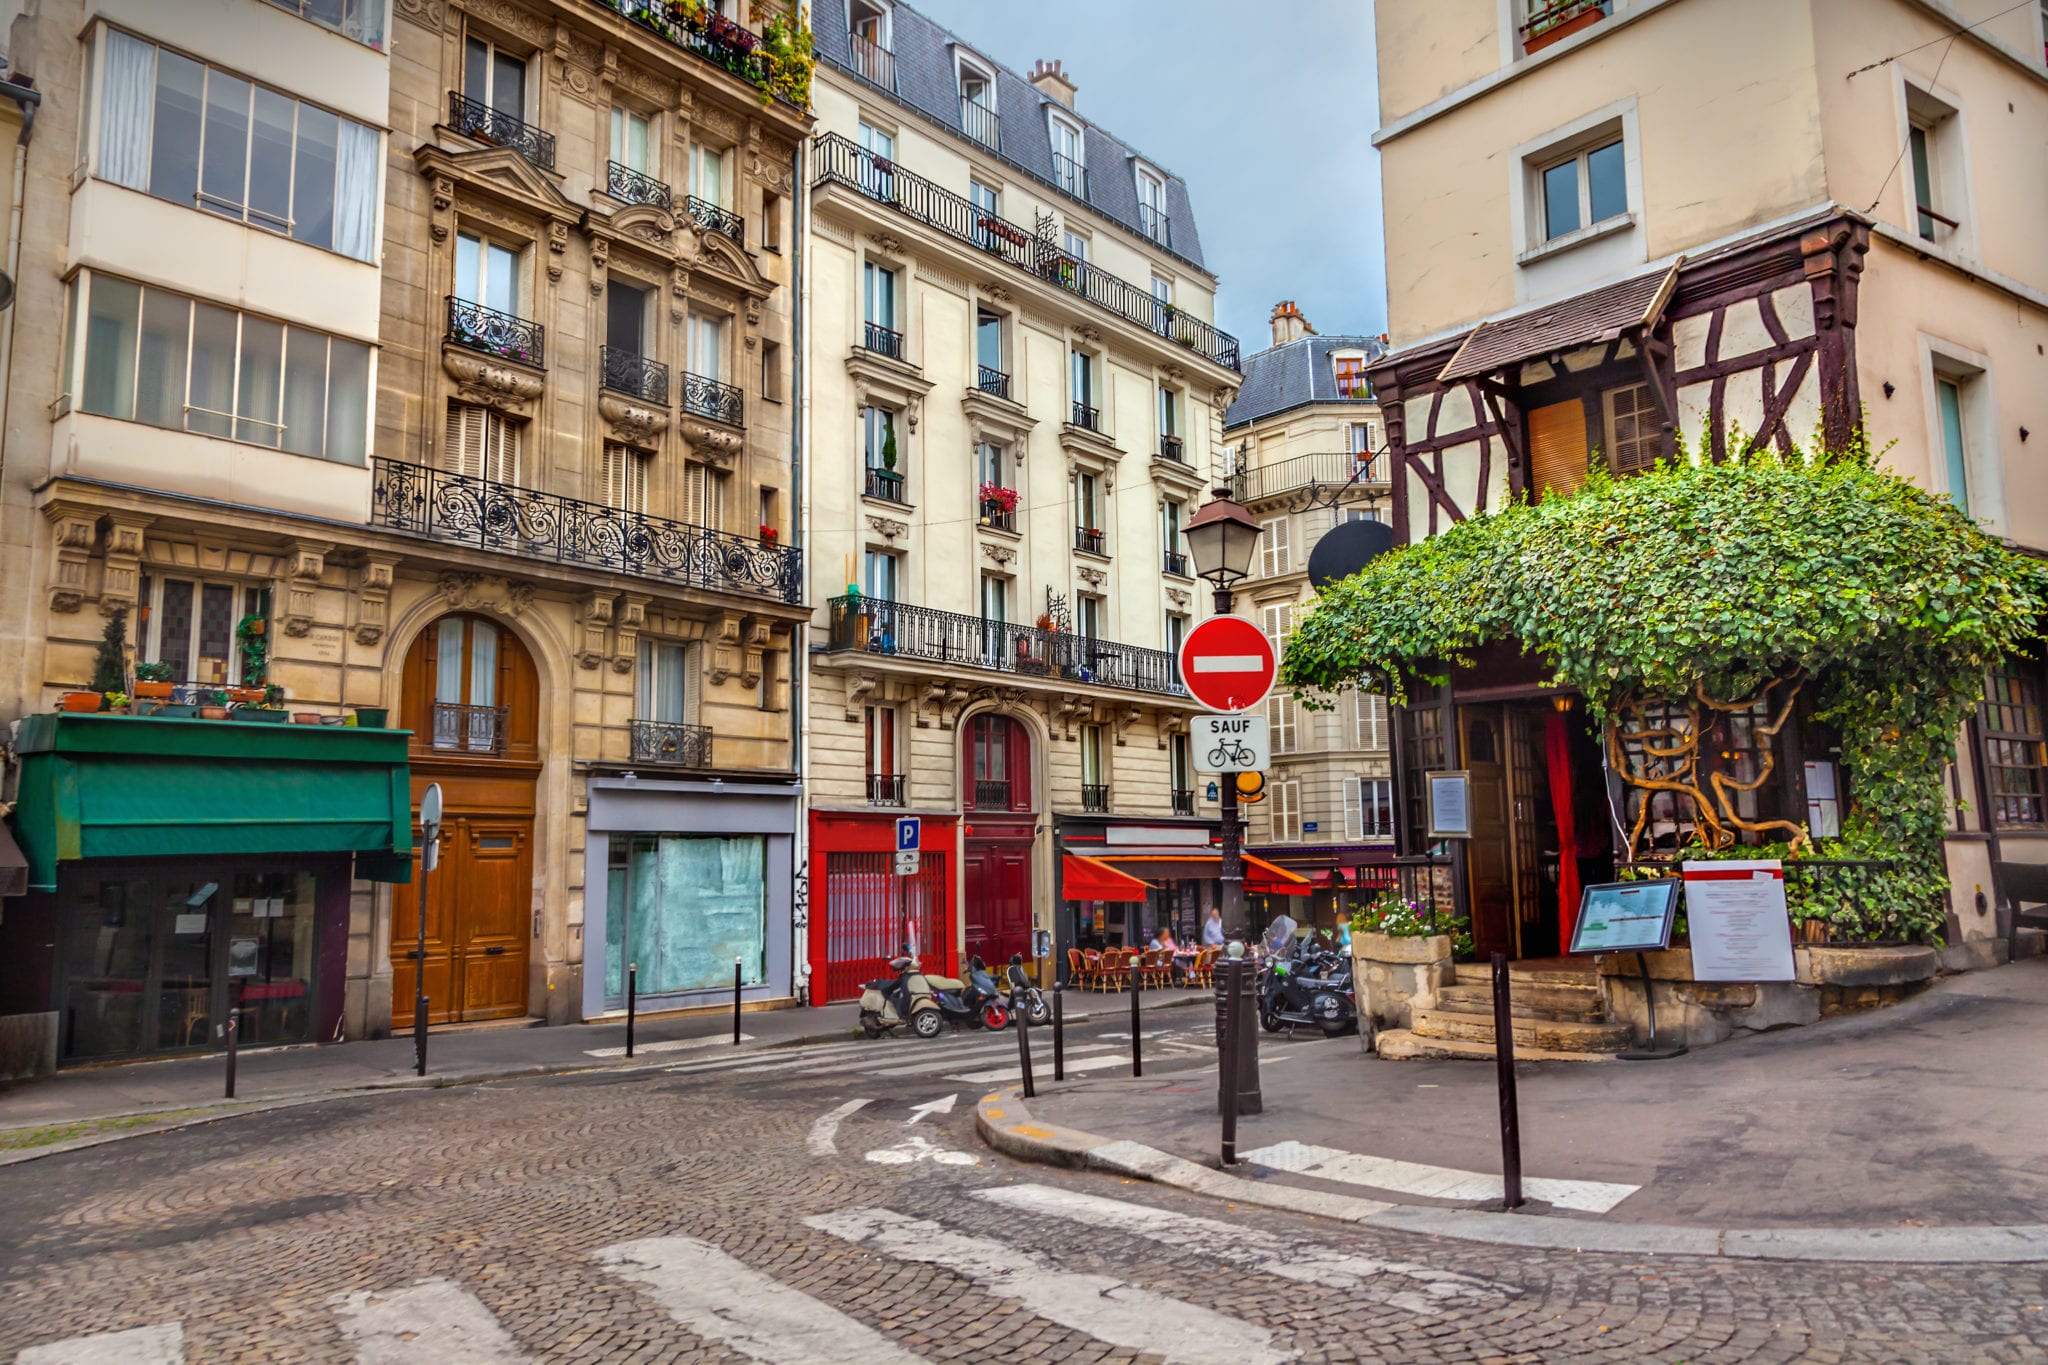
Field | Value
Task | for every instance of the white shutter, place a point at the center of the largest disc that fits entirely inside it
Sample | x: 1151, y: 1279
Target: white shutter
x: 1286, y: 812
x: 693, y: 683
x: 1354, y: 809
x: 625, y: 478
x: 703, y: 496
x: 1280, y: 718
x: 1369, y: 721
x: 462, y: 446
x: 1274, y: 558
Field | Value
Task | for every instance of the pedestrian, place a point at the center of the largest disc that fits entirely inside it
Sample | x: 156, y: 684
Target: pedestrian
x: 1212, y: 929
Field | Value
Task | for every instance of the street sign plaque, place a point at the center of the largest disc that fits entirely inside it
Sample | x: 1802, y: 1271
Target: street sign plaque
x: 1227, y: 664
x: 908, y: 861
x: 1230, y: 743
x: 908, y: 833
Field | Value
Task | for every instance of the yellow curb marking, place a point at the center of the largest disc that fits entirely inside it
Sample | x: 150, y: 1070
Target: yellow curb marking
x: 993, y: 1113
x: 1032, y: 1130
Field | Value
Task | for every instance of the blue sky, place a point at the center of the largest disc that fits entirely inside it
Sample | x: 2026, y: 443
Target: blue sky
x: 1266, y: 110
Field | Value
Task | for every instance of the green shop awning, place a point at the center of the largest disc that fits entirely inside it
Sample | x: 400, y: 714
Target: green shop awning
x: 110, y: 786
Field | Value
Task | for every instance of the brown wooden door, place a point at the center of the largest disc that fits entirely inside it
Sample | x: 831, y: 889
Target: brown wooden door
x: 1528, y: 793
x: 998, y: 899
x: 442, y: 1005
x: 1489, y: 854
x: 494, y: 862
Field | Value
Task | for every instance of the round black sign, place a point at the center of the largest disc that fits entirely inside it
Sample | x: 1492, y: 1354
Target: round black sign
x: 1347, y: 549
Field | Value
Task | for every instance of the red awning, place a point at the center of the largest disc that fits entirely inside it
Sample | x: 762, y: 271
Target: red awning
x: 1087, y: 879
x: 1259, y: 875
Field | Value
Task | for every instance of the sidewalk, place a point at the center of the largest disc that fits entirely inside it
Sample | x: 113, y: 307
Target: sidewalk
x: 1926, y: 1115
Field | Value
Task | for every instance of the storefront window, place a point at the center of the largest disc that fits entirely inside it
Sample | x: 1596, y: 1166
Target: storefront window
x: 681, y: 908
x: 270, y: 955
x: 106, y: 967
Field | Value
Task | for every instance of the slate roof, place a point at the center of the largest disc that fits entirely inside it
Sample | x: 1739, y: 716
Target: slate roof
x: 1293, y: 375
x: 1564, y: 324
x: 927, y: 85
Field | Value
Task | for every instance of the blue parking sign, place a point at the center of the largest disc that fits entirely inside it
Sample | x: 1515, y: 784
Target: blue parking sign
x: 906, y: 833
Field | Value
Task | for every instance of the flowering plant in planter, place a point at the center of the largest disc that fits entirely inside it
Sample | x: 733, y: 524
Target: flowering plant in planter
x: 1394, y: 915
x: 769, y: 534
x: 998, y: 499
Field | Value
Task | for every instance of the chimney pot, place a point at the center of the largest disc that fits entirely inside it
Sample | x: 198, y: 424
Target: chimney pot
x: 1288, y: 323
x: 1050, y: 80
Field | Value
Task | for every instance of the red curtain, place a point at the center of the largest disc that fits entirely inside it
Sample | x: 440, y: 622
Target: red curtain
x: 1557, y: 753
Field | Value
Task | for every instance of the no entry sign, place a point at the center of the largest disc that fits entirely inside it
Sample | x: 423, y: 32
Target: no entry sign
x: 1227, y: 664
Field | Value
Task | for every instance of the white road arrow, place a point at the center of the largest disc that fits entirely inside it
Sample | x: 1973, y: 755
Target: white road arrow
x: 944, y: 1106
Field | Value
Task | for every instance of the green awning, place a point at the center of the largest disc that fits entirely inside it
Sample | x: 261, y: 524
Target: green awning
x: 110, y: 786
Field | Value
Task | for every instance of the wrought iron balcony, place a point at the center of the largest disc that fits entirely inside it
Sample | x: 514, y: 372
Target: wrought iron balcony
x: 671, y: 743
x: 1153, y: 222
x: 1176, y: 563
x: 1071, y: 176
x: 503, y: 335
x: 1085, y: 416
x: 871, y: 61
x: 709, y: 398
x: 712, y: 218
x: 881, y: 340
x: 465, y: 510
x: 474, y: 118
x: 629, y: 186
x: 469, y: 729
x: 992, y: 793
x: 841, y: 161
x: 869, y: 625
x: 1095, y: 796
x: 627, y: 372
x: 1089, y: 539
x: 1171, y: 448
x: 980, y: 122
x: 885, y: 789
x: 1326, y: 469
x: 992, y: 381
x: 996, y: 518
x: 887, y: 485
x: 1183, y: 800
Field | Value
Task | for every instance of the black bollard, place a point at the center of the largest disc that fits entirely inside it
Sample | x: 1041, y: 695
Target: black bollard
x: 1059, y: 1031
x: 1024, y: 1052
x: 1504, y: 1068
x: 1137, y: 1056
x: 234, y: 1028
x: 736, y: 1002
x: 1227, y: 1060
x: 632, y: 1002
x: 419, y: 1033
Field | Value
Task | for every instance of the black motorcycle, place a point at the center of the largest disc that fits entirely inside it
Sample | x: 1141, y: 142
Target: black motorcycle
x: 1025, y: 998
x: 977, y: 1003
x: 1313, y: 988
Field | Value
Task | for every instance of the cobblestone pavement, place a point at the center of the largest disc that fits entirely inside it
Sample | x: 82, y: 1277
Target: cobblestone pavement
x: 710, y: 1215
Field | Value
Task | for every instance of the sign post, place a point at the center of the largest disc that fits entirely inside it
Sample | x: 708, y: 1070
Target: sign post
x: 909, y: 860
x: 430, y: 858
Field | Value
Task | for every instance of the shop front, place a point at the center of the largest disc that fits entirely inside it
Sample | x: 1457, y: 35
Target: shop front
x: 180, y: 869
x: 863, y: 913
x: 685, y: 879
x: 1342, y: 878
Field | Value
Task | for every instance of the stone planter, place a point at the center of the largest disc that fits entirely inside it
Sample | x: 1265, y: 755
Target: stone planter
x: 1393, y: 977
x: 1828, y: 981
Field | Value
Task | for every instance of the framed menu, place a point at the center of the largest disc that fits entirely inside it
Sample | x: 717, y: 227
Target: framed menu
x: 1450, y: 806
x: 1623, y: 917
x: 1736, y: 914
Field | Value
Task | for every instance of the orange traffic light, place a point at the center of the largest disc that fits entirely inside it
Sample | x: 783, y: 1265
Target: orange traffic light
x: 1251, y: 788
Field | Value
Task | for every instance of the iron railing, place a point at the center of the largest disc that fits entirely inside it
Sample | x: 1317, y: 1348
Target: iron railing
x: 1175, y: 562
x: 992, y: 381
x: 1172, y: 448
x: 870, y: 625
x: 671, y: 742
x: 844, y: 162
x: 1183, y: 800
x: 1089, y: 539
x: 627, y: 372
x: 359, y: 21
x: 503, y: 335
x: 1830, y: 900
x: 469, y: 729
x: 709, y: 398
x: 1330, y: 468
x: 1095, y: 796
x: 871, y: 61
x: 712, y: 218
x: 1153, y: 222
x: 980, y: 122
x: 694, y: 29
x: 1071, y: 176
x: 992, y: 793
x: 992, y: 515
x: 885, y: 789
x: 1085, y: 416
x: 465, y: 510
x: 881, y: 340
x: 887, y: 485
x: 629, y: 186
x: 474, y: 118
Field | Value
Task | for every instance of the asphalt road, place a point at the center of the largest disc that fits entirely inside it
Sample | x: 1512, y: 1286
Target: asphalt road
x: 833, y: 1204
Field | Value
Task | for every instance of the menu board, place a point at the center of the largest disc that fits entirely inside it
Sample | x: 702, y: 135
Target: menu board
x: 1736, y: 913
x: 1449, y: 810
x: 1621, y: 917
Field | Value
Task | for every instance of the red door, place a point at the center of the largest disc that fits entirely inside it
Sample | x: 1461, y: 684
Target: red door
x: 998, y: 909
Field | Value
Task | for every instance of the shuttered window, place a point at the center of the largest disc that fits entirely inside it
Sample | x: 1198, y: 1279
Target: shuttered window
x: 1354, y: 810
x: 1277, y: 622
x: 1286, y: 811
x: 1369, y: 721
x: 482, y: 443
x: 625, y: 478
x: 1635, y: 430
x: 1273, y: 553
x: 1557, y: 447
x: 703, y: 496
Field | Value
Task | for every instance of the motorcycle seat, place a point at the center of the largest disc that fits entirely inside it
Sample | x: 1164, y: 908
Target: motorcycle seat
x: 944, y: 983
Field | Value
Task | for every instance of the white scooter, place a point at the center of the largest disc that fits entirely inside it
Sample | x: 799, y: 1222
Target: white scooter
x: 909, y: 998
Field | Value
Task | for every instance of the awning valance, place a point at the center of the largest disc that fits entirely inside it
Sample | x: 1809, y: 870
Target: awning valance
x: 111, y: 786
x: 1259, y: 875
x: 1088, y: 879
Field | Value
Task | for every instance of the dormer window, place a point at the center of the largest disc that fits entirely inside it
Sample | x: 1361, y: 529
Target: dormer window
x: 1069, y: 161
x: 1350, y: 373
x: 867, y: 41
x: 1152, y: 219
x: 978, y: 103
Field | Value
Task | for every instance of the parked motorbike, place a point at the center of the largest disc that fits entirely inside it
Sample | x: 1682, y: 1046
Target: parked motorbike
x: 1312, y: 988
x: 980, y: 995
x: 910, y: 997
x: 1025, y: 998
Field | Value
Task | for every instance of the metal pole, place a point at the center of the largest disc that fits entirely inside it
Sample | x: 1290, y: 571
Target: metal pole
x: 1236, y: 915
x: 419, y: 971
x: 736, y: 982
x: 1227, y: 1055
x: 1024, y: 1052
x: 1059, y: 1031
x: 1504, y: 1068
x: 234, y: 1028
x: 1137, y: 1056
x: 632, y: 1001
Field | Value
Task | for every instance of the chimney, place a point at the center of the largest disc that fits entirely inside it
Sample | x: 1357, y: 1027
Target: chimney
x: 1052, y: 82
x: 1289, y: 324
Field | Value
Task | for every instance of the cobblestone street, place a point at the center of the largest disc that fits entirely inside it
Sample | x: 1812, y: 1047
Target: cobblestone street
x: 812, y: 1209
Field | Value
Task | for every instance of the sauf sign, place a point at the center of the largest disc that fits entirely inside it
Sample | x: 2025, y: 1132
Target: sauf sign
x: 1235, y: 743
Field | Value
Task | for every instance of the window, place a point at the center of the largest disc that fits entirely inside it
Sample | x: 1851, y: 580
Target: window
x: 1069, y: 165
x: 878, y: 441
x: 1350, y: 374
x: 878, y: 297
x: 1081, y: 375
x: 989, y: 464
x: 494, y: 77
x: 985, y: 203
x: 1368, y: 721
x: 1091, y: 756
x: 978, y: 105
x: 157, y: 357
x: 703, y: 495
x: 879, y: 723
x: 1176, y: 636
x: 629, y: 140
x: 625, y: 321
x: 360, y: 21
x: 625, y: 477
x: 2015, y: 746
x: 771, y: 222
x: 1274, y: 558
x: 1277, y: 622
x: 707, y: 346
x: 878, y: 173
x: 1586, y: 188
x: 1169, y: 413
x: 1368, y: 808
x: 995, y: 597
x: 1074, y: 244
x: 1152, y: 220
x: 1635, y: 429
x: 1347, y: 515
x: 1948, y: 396
x: 487, y: 272
x: 466, y: 666
x: 482, y: 443
x: 667, y: 896
x: 868, y: 42
x: 707, y: 175
x: 770, y: 509
x: 1285, y: 814
x: 1088, y: 511
x: 1181, y: 765
x: 1170, y: 522
x: 1088, y: 616
x: 666, y: 689
x: 1934, y: 148
x: 988, y: 344
x: 198, y: 136
x: 190, y: 625
x: 771, y: 371
x: 1359, y: 440
x: 881, y: 576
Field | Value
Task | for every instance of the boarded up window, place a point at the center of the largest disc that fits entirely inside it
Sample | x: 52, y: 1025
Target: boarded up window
x: 1557, y: 447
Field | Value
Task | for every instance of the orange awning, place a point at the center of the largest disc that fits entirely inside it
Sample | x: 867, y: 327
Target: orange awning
x: 1266, y: 878
x: 1088, y: 879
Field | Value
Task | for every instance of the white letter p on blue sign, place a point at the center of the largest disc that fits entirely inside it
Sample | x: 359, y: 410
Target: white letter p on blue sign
x: 906, y: 833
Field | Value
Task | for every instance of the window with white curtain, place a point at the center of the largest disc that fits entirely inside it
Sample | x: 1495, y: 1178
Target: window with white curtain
x: 707, y: 346
x: 487, y: 272
x: 157, y: 357
x: 667, y: 685
x: 707, y: 174
x: 630, y: 141
x: 199, y: 136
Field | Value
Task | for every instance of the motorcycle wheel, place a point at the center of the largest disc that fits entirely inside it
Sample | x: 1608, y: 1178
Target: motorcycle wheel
x: 994, y: 1017
x: 1270, y: 1020
x: 871, y: 1025
x: 1039, y: 1012
x: 926, y: 1023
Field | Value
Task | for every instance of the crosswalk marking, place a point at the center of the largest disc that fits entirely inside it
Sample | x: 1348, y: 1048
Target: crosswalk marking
x: 667, y: 1045
x: 955, y: 1059
x: 1434, y: 1182
x: 435, y: 1320
x: 1071, y: 1065
x: 161, y: 1344
x: 1426, y: 1290
x: 1109, y: 1310
x: 725, y: 1301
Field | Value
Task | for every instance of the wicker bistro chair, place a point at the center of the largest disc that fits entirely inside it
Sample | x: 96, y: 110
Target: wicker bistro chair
x: 1091, y: 969
x: 1111, y: 977
x: 1203, y: 973
x: 1159, y: 967
x: 1077, y: 969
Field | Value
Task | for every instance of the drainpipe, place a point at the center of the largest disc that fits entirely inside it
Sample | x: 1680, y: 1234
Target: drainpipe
x: 799, y: 644
x: 22, y: 93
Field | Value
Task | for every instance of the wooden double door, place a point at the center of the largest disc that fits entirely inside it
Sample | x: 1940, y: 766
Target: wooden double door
x: 479, y: 922
x: 997, y: 859
x: 1507, y: 862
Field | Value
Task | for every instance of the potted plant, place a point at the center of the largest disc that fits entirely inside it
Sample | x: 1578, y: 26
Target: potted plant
x: 115, y: 701
x: 1557, y: 20
x: 213, y: 704
x: 265, y: 715
x: 889, y: 448
x: 110, y: 664
x: 371, y: 717
x: 769, y: 535
x: 154, y: 682
x: 80, y: 701
x: 997, y: 501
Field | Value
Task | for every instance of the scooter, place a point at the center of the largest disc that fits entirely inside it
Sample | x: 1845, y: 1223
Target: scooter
x: 1025, y: 998
x: 1315, y: 991
x: 908, y: 997
x: 980, y: 995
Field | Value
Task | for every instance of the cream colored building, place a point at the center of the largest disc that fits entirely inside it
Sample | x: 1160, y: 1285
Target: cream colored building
x: 1613, y: 224
x: 444, y: 352
x: 1003, y: 298
x: 1308, y: 442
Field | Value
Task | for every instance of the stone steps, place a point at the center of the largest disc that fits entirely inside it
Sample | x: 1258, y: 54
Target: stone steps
x: 1557, y: 1035
x: 1481, y: 974
x: 1579, y: 1000
x: 1400, y: 1044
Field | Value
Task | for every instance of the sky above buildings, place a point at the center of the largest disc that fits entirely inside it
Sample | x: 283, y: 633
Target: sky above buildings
x: 1266, y: 110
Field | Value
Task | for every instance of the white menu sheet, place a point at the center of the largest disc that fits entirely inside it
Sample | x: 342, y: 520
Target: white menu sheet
x: 1736, y: 915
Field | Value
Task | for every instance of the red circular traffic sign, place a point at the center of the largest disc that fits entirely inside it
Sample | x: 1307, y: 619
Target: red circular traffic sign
x: 1228, y: 664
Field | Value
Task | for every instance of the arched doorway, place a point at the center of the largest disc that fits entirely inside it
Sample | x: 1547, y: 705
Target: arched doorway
x: 1002, y: 824
x: 471, y: 698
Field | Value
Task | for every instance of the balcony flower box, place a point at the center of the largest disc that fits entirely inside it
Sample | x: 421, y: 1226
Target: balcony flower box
x: 769, y: 535
x: 997, y: 228
x: 997, y: 500
x: 80, y: 701
x: 1559, y: 22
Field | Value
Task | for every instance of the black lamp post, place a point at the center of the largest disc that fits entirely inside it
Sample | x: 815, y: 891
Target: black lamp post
x: 1221, y: 538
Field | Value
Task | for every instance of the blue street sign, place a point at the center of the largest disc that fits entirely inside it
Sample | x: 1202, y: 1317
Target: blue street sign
x: 906, y: 833
x: 1310, y: 826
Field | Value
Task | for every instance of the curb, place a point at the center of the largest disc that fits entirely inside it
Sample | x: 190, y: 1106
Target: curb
x: 1005, y: 1124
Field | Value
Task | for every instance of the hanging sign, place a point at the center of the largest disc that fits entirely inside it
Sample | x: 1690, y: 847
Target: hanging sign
x: 1735, y: 912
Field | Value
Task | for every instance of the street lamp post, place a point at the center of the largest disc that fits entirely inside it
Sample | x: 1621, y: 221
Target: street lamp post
x: 1221, y: 537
